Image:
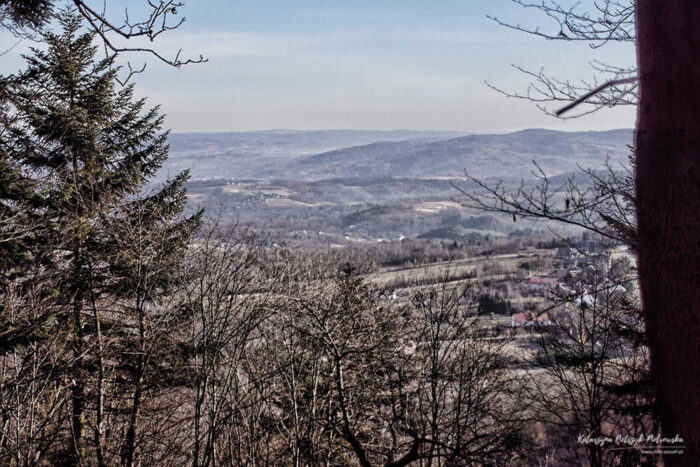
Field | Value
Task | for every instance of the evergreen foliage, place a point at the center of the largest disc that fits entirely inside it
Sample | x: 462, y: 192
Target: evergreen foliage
x: 76, y: 155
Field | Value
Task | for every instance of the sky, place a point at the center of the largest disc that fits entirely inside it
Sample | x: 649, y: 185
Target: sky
x: 363, y: 64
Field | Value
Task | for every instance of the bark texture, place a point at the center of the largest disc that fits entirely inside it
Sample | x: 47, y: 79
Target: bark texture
x: 667, y: 178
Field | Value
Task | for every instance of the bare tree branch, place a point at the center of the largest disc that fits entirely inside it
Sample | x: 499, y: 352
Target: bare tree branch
x: 608, y: 21
x: 25, y: 19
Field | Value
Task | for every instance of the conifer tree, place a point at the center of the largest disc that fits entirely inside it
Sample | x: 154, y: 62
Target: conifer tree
x: 91, y: 149
x: 15, y: 191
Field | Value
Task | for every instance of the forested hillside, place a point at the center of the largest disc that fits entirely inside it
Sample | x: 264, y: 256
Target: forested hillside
x: 305, y: 298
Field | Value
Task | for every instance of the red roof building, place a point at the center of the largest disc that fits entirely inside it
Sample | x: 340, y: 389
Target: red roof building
x: 529, y: 319
x: 536, y: 280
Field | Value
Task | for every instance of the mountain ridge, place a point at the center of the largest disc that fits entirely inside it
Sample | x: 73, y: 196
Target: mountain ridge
x: 481, y: 154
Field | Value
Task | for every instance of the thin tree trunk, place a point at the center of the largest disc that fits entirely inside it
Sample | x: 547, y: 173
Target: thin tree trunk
x: 99, y: 409
x: 349, y: 434
x: 133, y: 420
x: 667, y: 178
x: 76, y: 447
x: 202, y: 386
x: 99, y: 423
x: 138, y: 390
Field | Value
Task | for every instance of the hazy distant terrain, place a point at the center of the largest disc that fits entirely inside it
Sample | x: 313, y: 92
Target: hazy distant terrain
x: 243, y: 155
x: 507, y: 155
x: 337, y: 186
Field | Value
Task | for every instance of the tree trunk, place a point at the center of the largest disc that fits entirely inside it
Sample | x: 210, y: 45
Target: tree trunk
x: 130, y: 443
x: 100, y: 403
x: 76, y: 448
x: 667, y: 178
x: 100, y: 390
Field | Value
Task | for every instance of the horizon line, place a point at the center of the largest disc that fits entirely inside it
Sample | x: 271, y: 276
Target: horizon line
x: 465, y: 132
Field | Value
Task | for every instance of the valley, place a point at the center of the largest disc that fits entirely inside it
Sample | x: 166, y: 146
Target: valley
x: 301, y: 188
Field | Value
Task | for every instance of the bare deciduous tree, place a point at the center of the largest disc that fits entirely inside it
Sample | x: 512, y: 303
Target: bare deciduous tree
x: 123, y: 33
x: 226, y: 298
x: 468, y: 389
x: 597, y: 23
x: 587, y: 361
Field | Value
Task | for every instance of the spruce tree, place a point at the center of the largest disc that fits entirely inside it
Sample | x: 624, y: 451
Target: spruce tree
x: 90, y: 149
x: 16, y: 191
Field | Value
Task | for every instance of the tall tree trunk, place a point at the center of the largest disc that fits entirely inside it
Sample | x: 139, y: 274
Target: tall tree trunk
x: 130, y: 442
x: 76, y: 454
x: 667, y: 144
x: 100, y: 397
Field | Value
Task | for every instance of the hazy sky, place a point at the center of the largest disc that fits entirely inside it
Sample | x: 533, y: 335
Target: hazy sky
x: 374, y: 64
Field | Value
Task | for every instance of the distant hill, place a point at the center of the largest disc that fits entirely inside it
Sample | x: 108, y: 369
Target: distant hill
x: 488, y: 155
x: 295, y: 139
x: 342, y: 186
x: 240, y: 155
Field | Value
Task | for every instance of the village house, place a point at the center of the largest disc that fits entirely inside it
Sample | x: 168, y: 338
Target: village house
x: 529, y: 319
